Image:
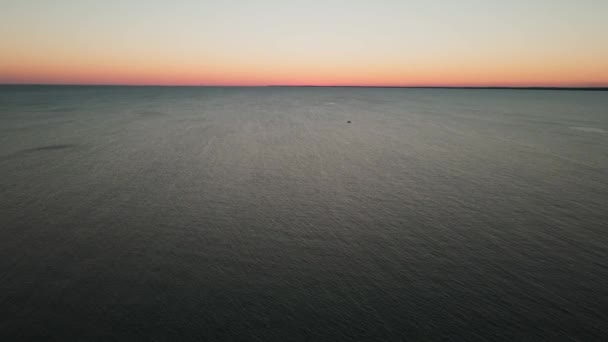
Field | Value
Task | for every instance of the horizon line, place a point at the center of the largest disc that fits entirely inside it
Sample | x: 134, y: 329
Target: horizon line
x: 596, y: 88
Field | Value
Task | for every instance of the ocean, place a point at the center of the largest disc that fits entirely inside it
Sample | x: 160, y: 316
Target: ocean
x: 263, y: 214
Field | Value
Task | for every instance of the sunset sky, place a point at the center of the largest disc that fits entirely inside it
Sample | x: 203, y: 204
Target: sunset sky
x: 312, y: 42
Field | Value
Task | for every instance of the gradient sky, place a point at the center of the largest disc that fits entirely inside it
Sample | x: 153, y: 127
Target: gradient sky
x: 317, y: 42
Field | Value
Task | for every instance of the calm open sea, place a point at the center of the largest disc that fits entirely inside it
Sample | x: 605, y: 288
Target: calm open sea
x: 151, y: 213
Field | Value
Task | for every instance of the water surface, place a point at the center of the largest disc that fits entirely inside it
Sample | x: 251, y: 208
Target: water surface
x: 261, y: 214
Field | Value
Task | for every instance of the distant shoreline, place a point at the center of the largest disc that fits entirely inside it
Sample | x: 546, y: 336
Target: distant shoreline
x: 310, y: 86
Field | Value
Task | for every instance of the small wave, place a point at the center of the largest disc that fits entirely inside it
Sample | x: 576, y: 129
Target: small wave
x: 589, y: 129
x: 150, y: 113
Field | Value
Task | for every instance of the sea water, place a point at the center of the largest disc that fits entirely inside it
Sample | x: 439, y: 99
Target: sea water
x: 192, y: 213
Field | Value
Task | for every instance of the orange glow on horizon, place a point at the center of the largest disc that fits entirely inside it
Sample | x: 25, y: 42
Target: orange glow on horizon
x: 114, y: 73
x: 29, y: 68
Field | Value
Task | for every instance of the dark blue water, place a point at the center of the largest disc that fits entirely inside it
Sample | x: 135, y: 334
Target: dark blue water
x: 262, y: 214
